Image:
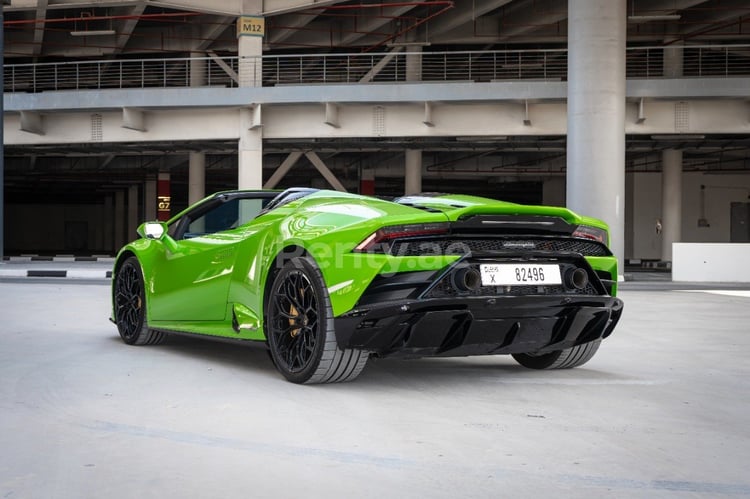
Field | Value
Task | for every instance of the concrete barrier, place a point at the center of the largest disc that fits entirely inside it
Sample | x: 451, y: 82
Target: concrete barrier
x: 711, y: 262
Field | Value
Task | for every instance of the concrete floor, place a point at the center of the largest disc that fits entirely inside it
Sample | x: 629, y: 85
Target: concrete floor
x: 661, y: 411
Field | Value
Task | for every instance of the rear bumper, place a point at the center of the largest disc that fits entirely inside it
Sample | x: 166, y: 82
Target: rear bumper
x: 478, y: 325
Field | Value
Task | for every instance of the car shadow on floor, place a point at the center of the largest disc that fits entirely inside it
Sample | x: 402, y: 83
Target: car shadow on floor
x: 254, y: 357
x: 249, y: 355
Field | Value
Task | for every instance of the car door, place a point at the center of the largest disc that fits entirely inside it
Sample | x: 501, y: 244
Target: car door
x: 192, y: 283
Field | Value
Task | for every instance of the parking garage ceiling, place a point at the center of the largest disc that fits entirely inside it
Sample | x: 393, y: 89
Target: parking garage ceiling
x: 60, y: 30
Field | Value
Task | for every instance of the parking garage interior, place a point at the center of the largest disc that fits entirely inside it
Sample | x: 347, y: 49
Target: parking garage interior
x: 103, y: 98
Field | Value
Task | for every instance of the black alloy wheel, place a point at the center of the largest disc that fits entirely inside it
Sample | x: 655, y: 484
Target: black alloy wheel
x: 295, y: 325
x: 130, y: 306
x: 300, y: 330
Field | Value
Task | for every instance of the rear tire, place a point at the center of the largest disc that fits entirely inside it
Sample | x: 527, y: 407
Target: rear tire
x: 300, y: 331
x: 560, y: 359
x: 130, y: 306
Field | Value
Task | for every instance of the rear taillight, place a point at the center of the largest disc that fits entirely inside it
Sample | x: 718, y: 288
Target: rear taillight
x: 380, y: 240
x: 593, y: 233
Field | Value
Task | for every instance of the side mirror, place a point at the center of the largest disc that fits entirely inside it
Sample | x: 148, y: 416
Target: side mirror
x: 152, y: 230
x: 157, y: 231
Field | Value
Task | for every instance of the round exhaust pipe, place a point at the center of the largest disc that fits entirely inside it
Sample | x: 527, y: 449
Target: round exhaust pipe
x: 576, y: 278
x: 467, y: 279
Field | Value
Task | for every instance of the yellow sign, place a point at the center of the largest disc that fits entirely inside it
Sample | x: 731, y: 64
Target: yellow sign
x: 251, y: 26
x: 164, y: 202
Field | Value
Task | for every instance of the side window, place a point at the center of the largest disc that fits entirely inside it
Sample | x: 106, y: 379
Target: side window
x: 222, y: 217
x: 225, y: 216
x: 250, y: 209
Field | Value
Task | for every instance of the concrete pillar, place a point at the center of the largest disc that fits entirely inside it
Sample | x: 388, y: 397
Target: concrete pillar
x: 673, y: 51
x: 367, y: 182
x: 196, y: 177
x: 414, y: 63
x: 250, y: 72
x: 629, y: 215
x: 132, y: 213
x: 197, y: 69
x: 596, y: 114
x: 99, y: 229
x: 197, y: 160
x: 108, y: 229
x: 250, y: 45
x: 250, y: 164
x: 671, y: 201
x: 673, y: 60
x: 149, y: 200
x: 164, y: 196
x: 553, y: 191
x: 671, y: 160
x: 109, y: 216
x: 119, y: 237
x: 413, y: 173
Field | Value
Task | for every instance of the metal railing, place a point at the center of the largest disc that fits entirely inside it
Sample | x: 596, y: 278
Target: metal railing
x: 475, y: 66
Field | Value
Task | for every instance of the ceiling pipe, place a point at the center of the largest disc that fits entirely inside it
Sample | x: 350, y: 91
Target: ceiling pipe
x: 414, y: 26
x: 446, y: 4
x: 384, y: 4
x: 101, y: 18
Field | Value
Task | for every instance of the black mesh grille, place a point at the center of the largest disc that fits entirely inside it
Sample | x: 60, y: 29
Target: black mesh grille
x: 481, y: 245
x: 445, y: 289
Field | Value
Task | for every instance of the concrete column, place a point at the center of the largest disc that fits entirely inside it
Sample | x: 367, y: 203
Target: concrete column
x: 673, y: 51
x: 553, y: 191
x: 413, y: 173
x: 99, y: 229
x: 250, y: 48
x: 196, y: 177
x: 197, y: 160
x: 163, y: 196
x: 108, y: 229
x: 671, y: 201
x: 250, y: 62
x: 596, y: 114
x: 673, y: 60
x: 367, y: 182
x: 250, y: 164
x: 629, y: 215
x: 197, y: 69
x: 250, y: 72
x: 414, y: 63
x: 132, y: 213
x: 149, y: 200
x: 120, y: 215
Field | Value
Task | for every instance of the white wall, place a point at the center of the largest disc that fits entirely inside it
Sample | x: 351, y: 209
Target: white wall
x: 720, y: 192
x: 711, y: 262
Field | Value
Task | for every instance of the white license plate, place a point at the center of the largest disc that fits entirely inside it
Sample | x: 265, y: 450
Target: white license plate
x: 519, y: 274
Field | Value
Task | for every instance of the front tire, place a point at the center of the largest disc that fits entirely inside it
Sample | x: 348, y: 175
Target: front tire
x: 560, y: 359
x: 130, y: 306
x: 300, y: 331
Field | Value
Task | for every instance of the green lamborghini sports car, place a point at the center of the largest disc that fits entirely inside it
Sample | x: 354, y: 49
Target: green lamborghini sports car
x: 328, y: 279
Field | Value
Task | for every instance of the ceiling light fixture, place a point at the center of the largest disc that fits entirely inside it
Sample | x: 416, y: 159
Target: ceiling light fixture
x: 93, y: 32
x: 645, y: 19
x: 678, y: 137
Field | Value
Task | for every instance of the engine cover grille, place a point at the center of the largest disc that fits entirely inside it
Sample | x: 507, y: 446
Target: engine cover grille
x: 464, y: 246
